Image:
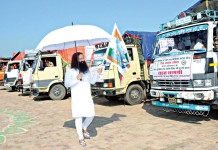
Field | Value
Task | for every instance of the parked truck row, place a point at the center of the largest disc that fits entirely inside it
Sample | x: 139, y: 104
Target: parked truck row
x: 49, y: 80
x: 177, y: 66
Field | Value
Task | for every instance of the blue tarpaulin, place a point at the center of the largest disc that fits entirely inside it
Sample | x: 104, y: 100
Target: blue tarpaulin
x: 193, y: 6
x: 200, y: 5
x: 148, y: 39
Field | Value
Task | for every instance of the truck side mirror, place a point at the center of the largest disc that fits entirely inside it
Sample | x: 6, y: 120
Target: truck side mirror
x: 41, y: 67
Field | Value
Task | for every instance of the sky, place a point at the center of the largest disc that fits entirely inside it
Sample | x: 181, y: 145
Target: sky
x: 23, y: 23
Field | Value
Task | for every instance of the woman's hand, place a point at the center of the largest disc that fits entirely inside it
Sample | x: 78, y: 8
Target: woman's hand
x: 79, y: 76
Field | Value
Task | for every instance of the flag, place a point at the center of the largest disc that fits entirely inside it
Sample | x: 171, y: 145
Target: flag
x: 117, y: 53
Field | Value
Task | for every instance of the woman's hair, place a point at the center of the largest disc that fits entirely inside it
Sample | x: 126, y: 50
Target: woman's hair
x: 75, y: 60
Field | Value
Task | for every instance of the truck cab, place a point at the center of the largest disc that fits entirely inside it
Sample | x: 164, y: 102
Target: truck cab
x: 11, y: 74
x: 135, y: 84
x: 25, y: 75
x: 184, y: 68
x: 48, y: 79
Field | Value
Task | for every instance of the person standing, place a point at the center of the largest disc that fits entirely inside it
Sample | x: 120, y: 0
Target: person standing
x: 79, y: 78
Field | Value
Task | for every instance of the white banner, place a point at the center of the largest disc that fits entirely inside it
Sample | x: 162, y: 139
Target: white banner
x: 165, y: 43
x: 172, y: 68
x: 88, y: 52
x: 93, y: 70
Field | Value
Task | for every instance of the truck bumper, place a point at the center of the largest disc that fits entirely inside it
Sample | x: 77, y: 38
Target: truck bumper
x: 8, y: 85
x: 100, y: 92
x: 182, y: 106
x: 186, y: 95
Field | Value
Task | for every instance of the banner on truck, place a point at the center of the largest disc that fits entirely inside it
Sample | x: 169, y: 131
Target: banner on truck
x: 172, y: 68
x: 165, y: 43
x: 95, y: 59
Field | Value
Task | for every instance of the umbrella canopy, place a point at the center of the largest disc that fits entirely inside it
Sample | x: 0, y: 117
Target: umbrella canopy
x: 71, y: 36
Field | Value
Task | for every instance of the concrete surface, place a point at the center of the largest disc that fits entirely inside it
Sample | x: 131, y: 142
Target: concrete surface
x: 39, y: 123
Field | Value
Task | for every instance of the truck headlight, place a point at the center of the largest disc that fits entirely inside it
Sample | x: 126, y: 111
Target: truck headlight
x: 108, y: 85
x: 105, y: 85
x: 154, y: 82
x: 198, y: 82
x: 208, y: 82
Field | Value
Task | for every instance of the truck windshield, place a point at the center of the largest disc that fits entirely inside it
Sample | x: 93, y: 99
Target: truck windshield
x: 13, y: 66
x: 191, y: 39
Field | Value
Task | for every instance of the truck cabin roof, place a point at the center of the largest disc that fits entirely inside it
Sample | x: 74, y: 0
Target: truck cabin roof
x: 199, y: 12
x: 187, y: 18
x: 47, y: 52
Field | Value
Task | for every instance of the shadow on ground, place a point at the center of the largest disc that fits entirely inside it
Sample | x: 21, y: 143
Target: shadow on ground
x: 97, y: 122
x: 104, y: 102
x: 41, y: 98
x: 46, y: 97
x: 25, y: 94
x: 12, y: 91
x: 159, y: 112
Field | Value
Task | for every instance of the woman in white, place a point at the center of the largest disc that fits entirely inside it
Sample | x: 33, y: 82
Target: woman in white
x: 79, y: 78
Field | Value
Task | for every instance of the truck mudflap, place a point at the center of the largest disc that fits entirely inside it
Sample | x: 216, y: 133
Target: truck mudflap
x: 189, y: 109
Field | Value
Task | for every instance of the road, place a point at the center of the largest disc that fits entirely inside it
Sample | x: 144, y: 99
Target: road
x: 40, y: 123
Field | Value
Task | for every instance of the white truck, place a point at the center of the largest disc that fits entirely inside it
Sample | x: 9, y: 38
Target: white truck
x: 184, y: 69
x: 25, y: 74
x: 11, y: 74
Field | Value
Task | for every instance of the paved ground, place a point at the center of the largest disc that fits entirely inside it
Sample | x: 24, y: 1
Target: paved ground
x: 44, y: 124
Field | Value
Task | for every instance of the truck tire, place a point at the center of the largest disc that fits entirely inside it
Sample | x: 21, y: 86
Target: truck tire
x: 134, y: 94
x: 112, y: 98
x: 57, y: 92
x: 13, y: 88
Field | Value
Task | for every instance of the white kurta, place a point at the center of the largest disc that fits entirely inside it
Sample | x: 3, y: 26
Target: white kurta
x: 81, y: 100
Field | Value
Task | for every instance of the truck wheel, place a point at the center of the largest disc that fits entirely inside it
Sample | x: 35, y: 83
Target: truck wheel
x: 13, y: 88
x: 112, y: 98
x: 134, y: 94
x: 57, y: 92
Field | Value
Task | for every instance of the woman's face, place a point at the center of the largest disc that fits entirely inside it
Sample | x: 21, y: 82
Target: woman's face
x: 81, y: 58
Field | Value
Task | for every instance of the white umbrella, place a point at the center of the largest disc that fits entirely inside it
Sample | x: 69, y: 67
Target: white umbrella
x: 72, y: 36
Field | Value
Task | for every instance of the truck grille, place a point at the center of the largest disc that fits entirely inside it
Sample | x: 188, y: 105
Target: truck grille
x: 10, y: 79
x: 174, y: 83
x: 98, y: 84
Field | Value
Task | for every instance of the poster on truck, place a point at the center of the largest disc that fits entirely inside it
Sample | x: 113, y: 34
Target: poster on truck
x: 94, y: 60
x: 165, y: 43
x: 172, y: 68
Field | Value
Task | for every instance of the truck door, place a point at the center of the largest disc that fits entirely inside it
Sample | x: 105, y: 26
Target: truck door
x: 48, y: 72
x: 134, y: 64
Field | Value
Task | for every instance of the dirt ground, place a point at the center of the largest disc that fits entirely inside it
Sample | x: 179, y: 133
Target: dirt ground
x: 39, y: 123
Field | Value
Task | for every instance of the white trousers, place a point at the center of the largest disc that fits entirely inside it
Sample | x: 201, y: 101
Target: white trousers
x: 82, y: 125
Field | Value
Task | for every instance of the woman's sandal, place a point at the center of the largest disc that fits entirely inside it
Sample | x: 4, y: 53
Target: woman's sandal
x: 82, y: 143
